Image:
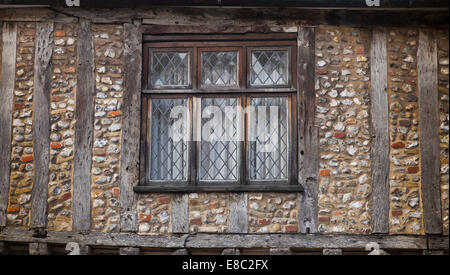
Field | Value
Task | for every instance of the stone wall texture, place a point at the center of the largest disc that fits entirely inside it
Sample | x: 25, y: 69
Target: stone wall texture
x: 444, y: 121
x: 405, y: 190
x: 208, y: 212
x: 22, y: 160
x: 62, y: 113
x: 108, y: 45
x: 154, y: 213
x: 342, y: 115
x: 272, y: 213
x: 342, y: 87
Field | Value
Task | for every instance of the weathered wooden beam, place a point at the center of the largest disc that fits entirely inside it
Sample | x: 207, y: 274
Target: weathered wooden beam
x: 312, y: 241
x: 332, y: 251
x: 437, y: 242
x: 131, y: 129
x: 81, y: 219
x: 180, y: 213
x: 380, y: 127
x: 7, y: 83
x: 238, y: 217
x: 38, y: 248
x: 233, y: 16
x: 3, y: 248
x: 41, y: 122
x: 280, y: 251
x: 427, y: 73
x: 129, y: 251
x: 308, y: 133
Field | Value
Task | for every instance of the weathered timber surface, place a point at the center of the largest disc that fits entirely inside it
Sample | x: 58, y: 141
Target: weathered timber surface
x: 308, y: 135
x: 427, y: 72
x: 6, y: 93
x: 313, y: 241
x: 84, y: 116
x: 41, y: 122
x: 238, y: 217
x: 438, y: 242
x: 129, y: 251
x: 38, y: 249
x: 131, y: 108
x: 380, y: 128
x: 180, y: 213
x: 228, y: 17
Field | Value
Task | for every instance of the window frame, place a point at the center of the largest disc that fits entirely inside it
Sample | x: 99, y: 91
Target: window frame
x: 197, y: 44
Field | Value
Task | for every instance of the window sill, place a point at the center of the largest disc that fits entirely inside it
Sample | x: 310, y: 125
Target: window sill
x: 218, y: 188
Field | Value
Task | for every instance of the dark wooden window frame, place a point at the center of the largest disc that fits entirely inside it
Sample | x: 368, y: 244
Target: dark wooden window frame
x: 195, y: 44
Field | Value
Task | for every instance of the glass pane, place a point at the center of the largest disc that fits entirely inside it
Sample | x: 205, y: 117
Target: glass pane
x: 219, y: 147
x: 220, y: 68
x: 268, y: 138
x: 269, y: 68
x: 170, y: 69
x: 169, y: 128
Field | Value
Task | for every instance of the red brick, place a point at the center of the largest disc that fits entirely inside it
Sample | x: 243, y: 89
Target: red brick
x: 13, y: 208
x: 213, y: 205
x: 66, y: 196
x: 164, y: 200
x: 324, y: 172
x: 18, y: 106
x: 398, y: 145
x: 193, y: 202
x: 116, y: 192
x: 324, y: 219
x: 99, y: 152
x: 144, y: 217
x: 291, y: 228
x: 57, y: 98
x: 397, y: 213
x: 69, y: 70
x: 350, y: 121
x: 339, y: 135
x: 197, y: 221
x: 359, y: 50
x: 27, y: 158
x: 264, y: 221
x: 59, y: 33
x: 413, y: 169
x: 55, y: 145
x: 114, y: 114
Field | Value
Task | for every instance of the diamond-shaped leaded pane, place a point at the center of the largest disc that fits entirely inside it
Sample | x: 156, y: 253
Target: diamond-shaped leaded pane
x: 220, y: 68
x: 170, y: 69
x: 168, y: 152
x: 269, y: 68
x: 219, y: 147
x: 268, y: 138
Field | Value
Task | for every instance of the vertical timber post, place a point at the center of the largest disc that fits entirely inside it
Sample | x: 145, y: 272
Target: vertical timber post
x: 84, y: 129
x: 6, y: 93
x: 427, y: 72
x: 380, y: 138
x: 41, y: 122
x: 308, y: 135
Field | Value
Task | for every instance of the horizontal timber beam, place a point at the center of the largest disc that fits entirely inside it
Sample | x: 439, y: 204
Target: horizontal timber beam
x: 310, y: 241
x: 205, y: 16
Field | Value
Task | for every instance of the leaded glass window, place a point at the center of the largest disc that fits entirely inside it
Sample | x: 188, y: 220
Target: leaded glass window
x: 219, y: 113
x: 170, y: 69
x: 269, y: 68
x: 268, y: 138
x: 168, y: 152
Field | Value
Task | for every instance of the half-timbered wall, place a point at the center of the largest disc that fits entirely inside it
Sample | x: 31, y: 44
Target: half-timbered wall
x: 373, y: 134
